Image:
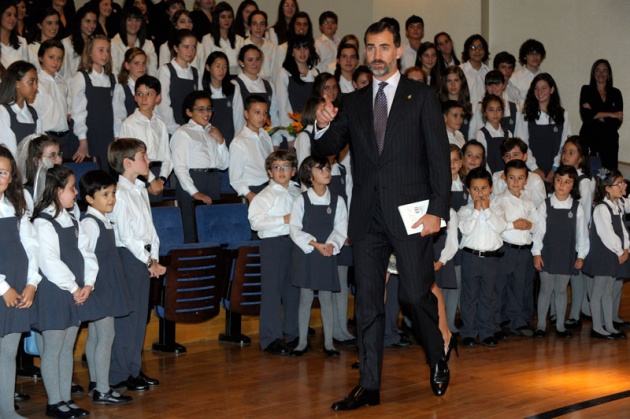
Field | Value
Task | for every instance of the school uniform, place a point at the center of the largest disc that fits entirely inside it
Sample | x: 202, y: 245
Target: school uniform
x: 562, y: 232
x: 51, y: 104
x: 223, y: 115
x: 9, y: 55
x: 124, y: 103
x: 481, y: 244
x: 224, y: 45
x: 18, y: 266
x: 93, y: 111
x: 476, y: 81
x: 534, y: 189
x: 17, y: 123
x: 326, y: 50
x: 110, y: 297
x: 516, y: 264
x: 456, y: 138
x: 445, y: 246
x: 177, y: 82
x: 244, y: 87
x: 197, y: 159
x: 492, y: 139
x: 292, y: 96
x: 119, y: 49
x: 545, y: 140
x: 279, y: 299
x: 137, y: 241
x: 66, y: 264
x: 521, y: 80
x: 323, y: 219
x: 511, y: 115
x: 268, y: 70
x: 248, y: 152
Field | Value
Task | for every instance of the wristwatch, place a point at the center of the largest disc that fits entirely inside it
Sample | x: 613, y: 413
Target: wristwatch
x: 149, y: 263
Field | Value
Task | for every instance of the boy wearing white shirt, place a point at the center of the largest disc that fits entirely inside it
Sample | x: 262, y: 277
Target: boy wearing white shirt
x: 269, y: 214
x: 534, y: 189
x: 453, y: 112
x: 481, y: 222
x: 249, y: 149
x: 515, y: 274
x: 326, y: 45
x: 199, y: 151
x: 138, y: 245
x: 144, y: 125
x: 531, y: 54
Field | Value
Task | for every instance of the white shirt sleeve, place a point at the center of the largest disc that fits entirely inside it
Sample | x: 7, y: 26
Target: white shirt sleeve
x: 179, y: 154
x: 91, y: 263
x: 258, y: 213
x: 152, y: 59
x: 340, y: 230
x: 603, y: 221
x: 164, y: 109
x: 541, y: 230
x: 50, y: 262
x: 238, y: 159
x: 450, y: 248
x: 299, y: 236
x: 79, y: 106
x: 8, y: 136
x: 522, y: 132
x: 237, y: 108
x: 120, y: 111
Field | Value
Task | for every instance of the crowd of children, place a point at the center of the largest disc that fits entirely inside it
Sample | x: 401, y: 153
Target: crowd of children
x: 525, y: 203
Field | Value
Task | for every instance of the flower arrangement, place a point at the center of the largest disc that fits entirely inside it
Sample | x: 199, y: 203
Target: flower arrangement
x: 293, y: 129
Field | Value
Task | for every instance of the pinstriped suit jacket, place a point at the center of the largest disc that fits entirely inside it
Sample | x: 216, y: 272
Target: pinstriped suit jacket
x: 413, y: 166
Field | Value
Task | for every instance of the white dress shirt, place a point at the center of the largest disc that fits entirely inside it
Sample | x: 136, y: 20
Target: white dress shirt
x: 534, y: 187
x: 80, y: 101
x: 33, y: 50
x: 516, y: 208
x: 456, y: 138
x: 409, y: 56
x: 268, y: 69
x: 345, y: 86
x: 582, y: 244
x: 543, y: 119
x: 23, y: 115
x: 248, y: 151
x: 254, y: 86
x: 268, y: 208
x: 49, y: 259
x: 522, y: 79
x: 481, y: 229
x: 451, y: 245
x: 9, y: 55
x: 327, y: 50
x: 605, y: 231
x: 119, y: 49
x: 132, y: 219
x: 476, y: 81
x: 457, y: 185
x: 164, y: 108
x: 51, y: 102
x: 192, y: 147
x: 153, y: 133
x: 302, y: 238
x: 30, y: 243
x: 224, y: 45
x: 71, y: 60
x: 587, y: 189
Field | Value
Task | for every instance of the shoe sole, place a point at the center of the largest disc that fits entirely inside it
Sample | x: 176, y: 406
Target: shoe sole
x: 103, y: 402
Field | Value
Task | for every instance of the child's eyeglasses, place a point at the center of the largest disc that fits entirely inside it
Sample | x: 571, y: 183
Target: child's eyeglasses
x: 620, y: 184
x: 283, y: 168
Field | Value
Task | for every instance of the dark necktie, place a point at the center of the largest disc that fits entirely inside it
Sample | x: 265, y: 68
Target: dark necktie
x: 380, y: 116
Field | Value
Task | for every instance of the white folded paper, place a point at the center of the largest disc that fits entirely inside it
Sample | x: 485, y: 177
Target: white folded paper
x: 411, y: 213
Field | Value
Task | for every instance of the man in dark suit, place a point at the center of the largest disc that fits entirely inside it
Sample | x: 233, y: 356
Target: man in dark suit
x: 400, y: 155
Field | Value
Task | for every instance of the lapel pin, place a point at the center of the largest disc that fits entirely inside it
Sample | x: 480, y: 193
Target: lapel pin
x: 409, y: 97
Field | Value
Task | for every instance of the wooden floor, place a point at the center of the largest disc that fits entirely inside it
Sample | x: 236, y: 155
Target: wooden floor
x: 522, y: 377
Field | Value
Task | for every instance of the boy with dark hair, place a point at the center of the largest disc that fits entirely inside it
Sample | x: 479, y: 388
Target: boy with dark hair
x: 414, y: 31
x: 530, y: 56
x: 505, y: 63
x: 326, y: 45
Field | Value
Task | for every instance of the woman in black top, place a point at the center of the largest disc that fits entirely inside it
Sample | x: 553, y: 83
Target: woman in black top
x: 601, y: 109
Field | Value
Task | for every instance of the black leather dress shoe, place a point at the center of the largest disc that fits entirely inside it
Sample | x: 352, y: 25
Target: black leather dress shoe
x: 78, y: 412
x: 91, y: 388
x: 292, y: 344
x: 331, y: 353
x: 539, y: 333
x: 135, y: 384
x: 358, y: 397
x: 54, y: 411
x: 277, y: 348
x: 109, y: 398
x: 150, y: 381
x: 20, y: 397
x: 469, y: 342
x: 621, y: 325
x: 619, y: 335
x: 346, y: 342
x: 573, y: 324
x: 490, y: 342
x: 564, y: 334
x: 597, y: 335
x: 76, y: 388
x: 296, y: 353
x: 440, y: 377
